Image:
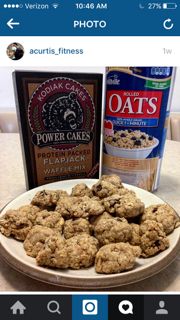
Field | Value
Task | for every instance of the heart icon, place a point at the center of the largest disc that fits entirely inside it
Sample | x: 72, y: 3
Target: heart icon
x: 125, y: 306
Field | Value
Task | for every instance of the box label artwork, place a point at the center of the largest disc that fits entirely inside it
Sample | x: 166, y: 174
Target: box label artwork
x: 60, y: 122
x: 61, y: 114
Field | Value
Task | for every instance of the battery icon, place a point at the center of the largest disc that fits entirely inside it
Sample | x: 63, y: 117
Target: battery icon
x: 169, y: 5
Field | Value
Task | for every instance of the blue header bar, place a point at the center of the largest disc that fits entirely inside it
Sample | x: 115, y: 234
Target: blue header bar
x: 89, y: 18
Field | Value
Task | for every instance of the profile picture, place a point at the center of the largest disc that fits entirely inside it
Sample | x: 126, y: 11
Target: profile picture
x: 15, y: 51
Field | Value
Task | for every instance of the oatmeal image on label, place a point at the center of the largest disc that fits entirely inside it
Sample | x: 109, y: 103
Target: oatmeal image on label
x: 133, y: 144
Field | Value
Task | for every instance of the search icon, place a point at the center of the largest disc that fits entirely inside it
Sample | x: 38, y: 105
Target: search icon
x: 53, y: 307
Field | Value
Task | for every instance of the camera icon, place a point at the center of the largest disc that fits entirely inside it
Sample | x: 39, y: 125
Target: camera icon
x: 89, y: 307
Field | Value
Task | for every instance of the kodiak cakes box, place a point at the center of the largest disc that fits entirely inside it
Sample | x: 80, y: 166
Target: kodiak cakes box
x: 59, y: 119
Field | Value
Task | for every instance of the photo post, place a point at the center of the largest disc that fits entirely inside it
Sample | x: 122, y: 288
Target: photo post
x: 90, y: 154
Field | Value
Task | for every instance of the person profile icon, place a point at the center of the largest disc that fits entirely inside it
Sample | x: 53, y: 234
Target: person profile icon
x: 161, y: 310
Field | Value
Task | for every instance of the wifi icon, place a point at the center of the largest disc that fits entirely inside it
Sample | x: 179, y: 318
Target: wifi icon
x: 55, y: 5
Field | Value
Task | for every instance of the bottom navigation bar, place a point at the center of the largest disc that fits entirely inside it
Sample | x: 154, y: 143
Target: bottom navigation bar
x: 91, y: 307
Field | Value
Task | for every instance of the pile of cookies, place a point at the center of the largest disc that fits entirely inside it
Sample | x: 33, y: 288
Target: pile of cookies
x: 106, y: 226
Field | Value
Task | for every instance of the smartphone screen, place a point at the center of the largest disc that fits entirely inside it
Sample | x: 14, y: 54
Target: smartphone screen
x: 90, y: 153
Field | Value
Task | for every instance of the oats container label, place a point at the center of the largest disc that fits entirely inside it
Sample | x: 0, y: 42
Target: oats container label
x: 136, y: 118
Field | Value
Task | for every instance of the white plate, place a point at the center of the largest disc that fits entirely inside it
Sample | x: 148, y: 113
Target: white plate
x: 13, y: 252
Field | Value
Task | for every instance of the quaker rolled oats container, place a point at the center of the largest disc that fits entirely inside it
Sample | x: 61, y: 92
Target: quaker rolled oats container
x: 59, y: 120
x: 138, y: 101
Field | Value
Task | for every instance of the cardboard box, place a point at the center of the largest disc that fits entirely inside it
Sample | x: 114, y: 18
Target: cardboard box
x: 60, y: 123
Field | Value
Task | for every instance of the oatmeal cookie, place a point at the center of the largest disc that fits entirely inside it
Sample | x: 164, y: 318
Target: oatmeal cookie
x: 103, y: 189
x: 30, y: 210
x: 64, y: 206
x: 113, y: 179
x: 124, y: 191
x: 162, y: 213
x: 35, y: 240
x: 50, y: 219
x: 135, y: 238
x: 75, y: 227
x: 47, y: 199
x: 81, y: 251
x: 79, y: 207
x: 75, y: 253
x: 116, y: 257
x: 95, y: 220
x: 87, y: 207
x: 54, y: 254
x: 97, y: 199
x: 127, y: 205
x: 17, y: 223
x: 153, y: 238
x: 81, y: 190
x: 112, y: 230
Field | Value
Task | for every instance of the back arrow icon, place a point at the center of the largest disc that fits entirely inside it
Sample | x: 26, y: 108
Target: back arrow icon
x: 11, y: 24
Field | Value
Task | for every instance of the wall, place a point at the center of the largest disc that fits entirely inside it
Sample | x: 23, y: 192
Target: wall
x: 7, y: 94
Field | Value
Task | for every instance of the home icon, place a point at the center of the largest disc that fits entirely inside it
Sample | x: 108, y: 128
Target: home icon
x: 18, y: 308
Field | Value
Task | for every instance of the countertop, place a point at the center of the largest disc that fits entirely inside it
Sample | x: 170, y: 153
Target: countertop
x: 12, y: 184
